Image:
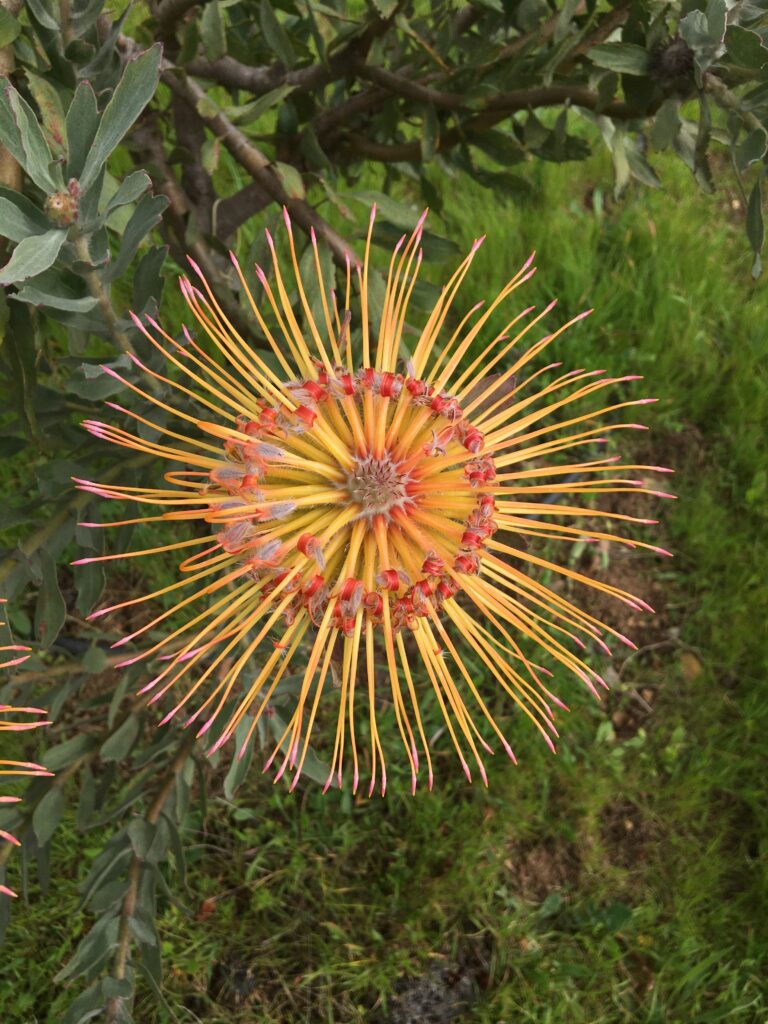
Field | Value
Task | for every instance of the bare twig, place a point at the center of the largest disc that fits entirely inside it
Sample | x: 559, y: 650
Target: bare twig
x: 497, y: 109
x: 169, y: 12
x: 235, y: 210
x: 258, y: 166
x: 259, y: 80
x: 151, y: 142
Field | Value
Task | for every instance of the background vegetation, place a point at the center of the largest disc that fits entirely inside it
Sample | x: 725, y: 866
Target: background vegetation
x: 623, y: 880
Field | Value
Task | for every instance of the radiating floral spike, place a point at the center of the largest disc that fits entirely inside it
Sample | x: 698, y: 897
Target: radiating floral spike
x: 13, y: 719
x: 372, y: 517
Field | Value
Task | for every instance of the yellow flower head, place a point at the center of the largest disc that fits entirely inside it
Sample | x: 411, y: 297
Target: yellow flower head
x: 368, y: 500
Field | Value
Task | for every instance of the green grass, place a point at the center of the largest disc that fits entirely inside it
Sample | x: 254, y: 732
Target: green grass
x: 618, y: 882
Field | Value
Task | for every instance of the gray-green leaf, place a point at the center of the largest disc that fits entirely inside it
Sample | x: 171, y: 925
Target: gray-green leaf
x: 81, y: 124
x: 625, y: 58
x: 32, y: 256
x: 134, y: 90
x: 47, y: 814
x: 19, y: 217
x: 276, y: 36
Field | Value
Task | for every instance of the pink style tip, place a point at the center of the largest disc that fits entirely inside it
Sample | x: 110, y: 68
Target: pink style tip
x: 556, y: 700
x: 663, y: 494
x: 195, y: 266
x: 8, y: 892
x: 217, y: 745
x: 287, y: 217
x: 14, y: 661
x: 205, y: 727
x: 129, y: 661
x: 110, y: 372
x: 509, y: 751
x: 467, y: 772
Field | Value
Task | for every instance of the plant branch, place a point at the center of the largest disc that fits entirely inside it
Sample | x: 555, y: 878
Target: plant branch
x: 171, y: 11
x: 258, y: 166
x: 720, y: 92
x: 235, y: 210
x: 128, y: 909
x: 150, y: 140
x: 99, y: 292
x: 259, y: 80
x: 10, y: 171
x: 498, y: 108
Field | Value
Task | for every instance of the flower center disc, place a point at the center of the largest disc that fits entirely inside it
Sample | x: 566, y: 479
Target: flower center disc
x: 378, y: 486
x: 370, y: 497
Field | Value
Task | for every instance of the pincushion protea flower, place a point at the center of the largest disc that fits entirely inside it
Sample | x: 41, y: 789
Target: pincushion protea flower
x: 371, y: 512
x: 9, y: 722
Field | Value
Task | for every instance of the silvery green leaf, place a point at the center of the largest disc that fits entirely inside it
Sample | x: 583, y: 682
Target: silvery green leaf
x: 81, y: 123
x: 19, y: 217
x: 132, y: 93
x: 146, y: 215
x: 32, y: 256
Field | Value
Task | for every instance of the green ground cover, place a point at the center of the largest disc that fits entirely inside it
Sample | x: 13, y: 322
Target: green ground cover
x: 623, y: 880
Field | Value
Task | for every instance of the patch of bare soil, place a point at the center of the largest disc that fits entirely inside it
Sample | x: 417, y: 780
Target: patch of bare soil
x: 538, y: 867
x: 626, y: 834
x: 441, y: 995
x: 234, y: 984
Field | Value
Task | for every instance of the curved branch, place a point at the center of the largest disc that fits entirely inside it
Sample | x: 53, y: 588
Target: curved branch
x: 259, y: 80
x: 259, y: 167
x: 497, y: 109
x: 170, y: 11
